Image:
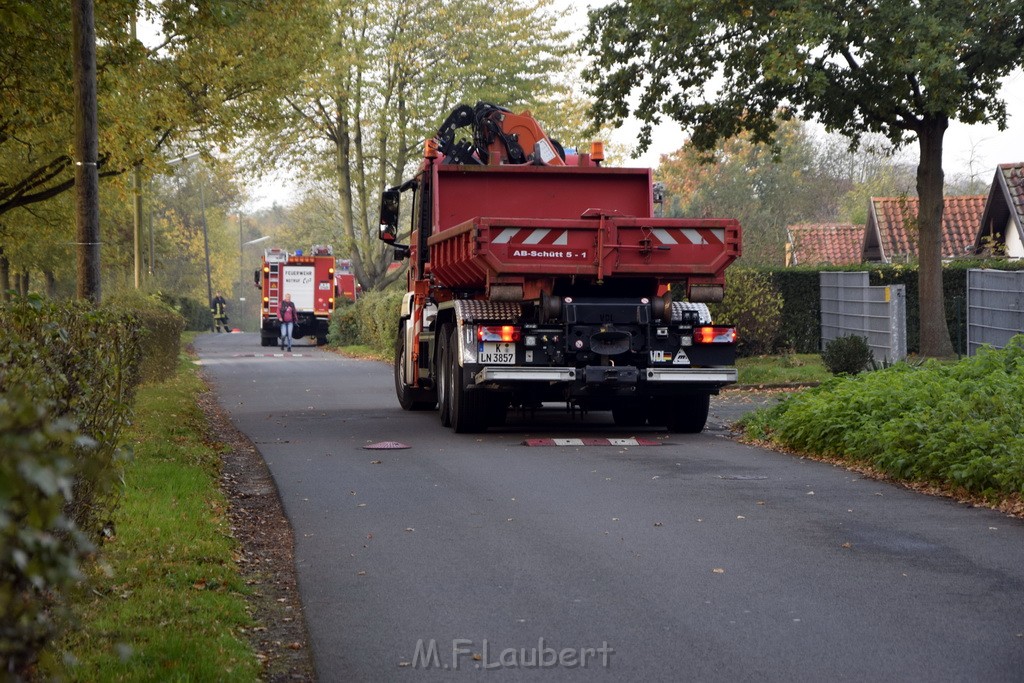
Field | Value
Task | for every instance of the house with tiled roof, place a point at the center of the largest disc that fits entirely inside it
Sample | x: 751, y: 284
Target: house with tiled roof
x: 891, y: 233
x: 820, y: 244
x: 1002, y: 225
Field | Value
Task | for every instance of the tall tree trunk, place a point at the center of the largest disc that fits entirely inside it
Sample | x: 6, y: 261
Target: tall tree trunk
x: 5, y: 276
x: 23, y: 283
x: 934, y: 341
x: 51, y: 284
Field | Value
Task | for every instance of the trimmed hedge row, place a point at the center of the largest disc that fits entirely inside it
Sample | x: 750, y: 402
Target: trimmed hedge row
x: 68, y: 376
x: 800, y: 328
x: 371, y: 321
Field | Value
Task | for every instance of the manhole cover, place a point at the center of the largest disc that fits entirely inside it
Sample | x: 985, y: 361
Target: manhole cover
x: 385, y: 446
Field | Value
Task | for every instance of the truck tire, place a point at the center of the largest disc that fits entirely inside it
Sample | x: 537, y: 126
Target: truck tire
x: 266, y: 341
x: 408, y: 397
x: 444, y: 380
x: 468, y: 413
x: 689, y: 415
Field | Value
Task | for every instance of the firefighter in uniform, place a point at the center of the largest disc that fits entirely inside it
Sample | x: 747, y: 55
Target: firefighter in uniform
x: 219, y: 308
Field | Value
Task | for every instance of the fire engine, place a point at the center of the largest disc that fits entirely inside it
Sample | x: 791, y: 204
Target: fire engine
x: 345, y: 284
x: 538, y: 274
x: 310, y: 281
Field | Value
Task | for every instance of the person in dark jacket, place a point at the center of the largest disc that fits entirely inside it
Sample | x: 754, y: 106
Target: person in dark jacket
x: 219, y: 308
x: 287, y: 314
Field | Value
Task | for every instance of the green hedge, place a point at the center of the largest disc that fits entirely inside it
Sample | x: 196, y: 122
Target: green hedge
x: 196, y: 314
x: 68, y: 375
x: 371, y: 321
x: 160, y: 326
x: 799, y: 287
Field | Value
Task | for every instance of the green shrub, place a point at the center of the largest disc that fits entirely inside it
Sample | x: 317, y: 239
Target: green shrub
x: 82, y: 364
x: 196, y: 314
x: 343, y: 328
x: 68, y: 374
x: 847, y: 355
x: 371, y: 321
x: 956, y: 424
x: 40, y: 548
x: 754, y: 306
x: 161, y: 328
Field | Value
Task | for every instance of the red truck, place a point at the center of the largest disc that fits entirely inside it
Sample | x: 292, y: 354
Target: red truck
x: 309, y: 278
x: 345, y: 285
x: 539, y: 275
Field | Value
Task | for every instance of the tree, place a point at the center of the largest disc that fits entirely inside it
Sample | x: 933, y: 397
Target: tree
x: 390, y: 73
x: 901, y: 69
x: 218, y: 72
x: 766, y: 189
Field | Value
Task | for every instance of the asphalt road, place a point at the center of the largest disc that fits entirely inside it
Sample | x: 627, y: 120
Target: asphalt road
x: 698, y: 559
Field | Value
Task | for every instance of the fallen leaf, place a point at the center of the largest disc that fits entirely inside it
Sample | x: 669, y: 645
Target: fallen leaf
x: 295, y: 646
x: 847, y: 545
x: 361, y: 573
x: 409, y: 529
x: 718, y: 570
x: 375, y: 462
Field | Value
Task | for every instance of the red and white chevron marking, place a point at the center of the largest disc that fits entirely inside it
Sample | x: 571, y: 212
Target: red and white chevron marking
x: 698, y: 236
x: 539, y: 236
x: 591, y: 442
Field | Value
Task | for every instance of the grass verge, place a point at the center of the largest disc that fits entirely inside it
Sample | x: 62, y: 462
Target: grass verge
x: 166, y: 601
x: 789, y: 368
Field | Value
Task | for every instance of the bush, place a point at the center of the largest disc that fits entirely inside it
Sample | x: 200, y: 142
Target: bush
x: 956, y: 424
x: 343, y: 328
x: 40, y: 548
x: 68, y: 374
x: 371, y: 321
x: 754, y: 306
x: 196, y: 314
x: 161, y: 328
x: 79, y: 363
x: 847, y: 355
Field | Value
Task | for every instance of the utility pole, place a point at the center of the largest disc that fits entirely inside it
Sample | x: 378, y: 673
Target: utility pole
x: 87, y: 179
x: 137, y: 194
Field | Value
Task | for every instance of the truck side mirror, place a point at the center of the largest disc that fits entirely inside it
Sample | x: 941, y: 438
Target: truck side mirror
x: 389, y: 208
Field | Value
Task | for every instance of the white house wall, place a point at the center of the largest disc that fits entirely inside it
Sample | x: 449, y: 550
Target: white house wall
x: 1014, y: 246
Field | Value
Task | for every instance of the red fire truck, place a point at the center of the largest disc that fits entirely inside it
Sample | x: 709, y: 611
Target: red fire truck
x: 310, y: 281
x: 540, y: 275
x: 345, y: 284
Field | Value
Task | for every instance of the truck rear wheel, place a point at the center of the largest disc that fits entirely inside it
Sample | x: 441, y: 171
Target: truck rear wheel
x: 409, y: 398
x: 266, y: 341
x: 689, y: 415
x: 444, y: 381
x: 468, y: 413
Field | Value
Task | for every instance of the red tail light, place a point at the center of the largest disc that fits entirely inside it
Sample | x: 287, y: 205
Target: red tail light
x: 714, y: 335
x: 497, y: 333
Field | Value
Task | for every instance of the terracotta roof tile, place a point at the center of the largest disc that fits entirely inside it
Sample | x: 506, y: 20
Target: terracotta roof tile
x: 825, y: 243
x: 896, y: 216
x: 1013, y: 174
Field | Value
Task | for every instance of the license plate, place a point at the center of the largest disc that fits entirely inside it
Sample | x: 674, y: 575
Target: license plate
x: 497, y: 353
